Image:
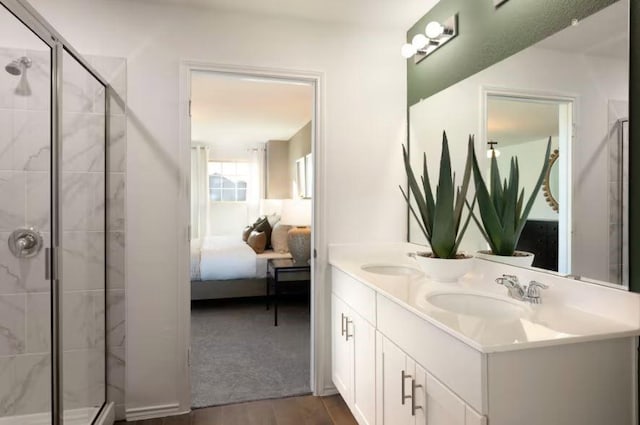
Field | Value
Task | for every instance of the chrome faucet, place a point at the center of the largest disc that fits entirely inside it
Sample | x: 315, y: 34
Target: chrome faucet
x: 529, y: 293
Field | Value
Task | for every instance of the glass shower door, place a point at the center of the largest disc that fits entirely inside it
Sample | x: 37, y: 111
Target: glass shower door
x: 83, y: 221
x: 25, y: 224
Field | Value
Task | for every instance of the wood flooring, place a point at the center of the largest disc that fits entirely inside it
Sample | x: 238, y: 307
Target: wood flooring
x: 306, y: 410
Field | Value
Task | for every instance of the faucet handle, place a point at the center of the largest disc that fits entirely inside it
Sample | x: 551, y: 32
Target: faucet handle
x: 533, y: 290
x: 509, y: 279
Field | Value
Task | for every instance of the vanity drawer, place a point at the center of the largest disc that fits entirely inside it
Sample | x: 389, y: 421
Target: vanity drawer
x: 360, y: 297
x: 455, y: 364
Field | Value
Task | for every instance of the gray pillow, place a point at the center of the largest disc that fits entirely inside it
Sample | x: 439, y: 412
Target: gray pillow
x: 279, y: 238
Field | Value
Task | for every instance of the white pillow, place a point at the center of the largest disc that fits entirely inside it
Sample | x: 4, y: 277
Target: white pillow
x: 279, y: 238
x: 273, y: 219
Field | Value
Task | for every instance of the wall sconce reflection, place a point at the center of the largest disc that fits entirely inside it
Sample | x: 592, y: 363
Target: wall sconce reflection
x: 435, y: 35
x: 492, y: 151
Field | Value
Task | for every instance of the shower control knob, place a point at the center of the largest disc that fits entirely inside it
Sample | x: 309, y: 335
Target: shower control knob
x: 25, y: 243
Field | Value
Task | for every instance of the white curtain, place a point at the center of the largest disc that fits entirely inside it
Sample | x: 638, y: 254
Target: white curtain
x: 257, y: 180
x: 199, y: 192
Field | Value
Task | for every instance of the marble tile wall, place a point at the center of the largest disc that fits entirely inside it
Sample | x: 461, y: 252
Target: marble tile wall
x: 25, y: 361
x: 115, y: 71
x: 24, y: 201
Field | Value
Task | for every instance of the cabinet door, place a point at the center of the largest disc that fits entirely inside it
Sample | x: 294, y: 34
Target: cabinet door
x: 363, y: 337
x: 419, y: 393
x: 473, y: 418
x: 395, y: 408
x: 341, y: 350
x: 443, y: 407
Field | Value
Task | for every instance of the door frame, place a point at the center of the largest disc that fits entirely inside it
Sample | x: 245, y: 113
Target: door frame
x: 318, y: 327
x: 565, y: 215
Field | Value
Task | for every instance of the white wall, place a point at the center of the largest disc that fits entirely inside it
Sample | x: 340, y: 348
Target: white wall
x: 364, y: 100
x: 222, y: 151
x: 593, y: 81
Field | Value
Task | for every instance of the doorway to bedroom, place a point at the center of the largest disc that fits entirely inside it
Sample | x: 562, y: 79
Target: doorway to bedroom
x: 251, y: 195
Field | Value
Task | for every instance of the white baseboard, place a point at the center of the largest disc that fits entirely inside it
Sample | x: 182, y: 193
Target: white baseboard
x: 121, y: 415
x: 327, y: 391
x: 108, y: 415
x: 71, y: 417
x: 151, y: 412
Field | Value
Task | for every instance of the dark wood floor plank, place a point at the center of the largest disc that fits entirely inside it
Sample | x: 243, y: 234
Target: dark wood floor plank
x: 286, y: 412
x: 313, y: 411
x: 156, y: 421
x: 254, y: 413
x: 207, y: 416
x: 177, y: 420
x: 338, y: 410
x: 305, y: 410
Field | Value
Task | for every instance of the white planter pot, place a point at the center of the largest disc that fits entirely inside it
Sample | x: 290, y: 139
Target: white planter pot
x: 443, y: 269
x: 522, y: 259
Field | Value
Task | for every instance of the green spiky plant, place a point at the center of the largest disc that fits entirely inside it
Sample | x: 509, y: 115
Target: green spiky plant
x: 501, y: 208
x: 440, y: 218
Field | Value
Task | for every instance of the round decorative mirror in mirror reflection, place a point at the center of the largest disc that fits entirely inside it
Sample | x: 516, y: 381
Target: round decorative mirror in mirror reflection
x: 550, y: 185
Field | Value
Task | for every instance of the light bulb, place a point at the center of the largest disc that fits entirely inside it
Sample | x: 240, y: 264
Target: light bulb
x: 491, y: 152
x: 434, y: 30
x: 419, y: 41
x: 408, y: 50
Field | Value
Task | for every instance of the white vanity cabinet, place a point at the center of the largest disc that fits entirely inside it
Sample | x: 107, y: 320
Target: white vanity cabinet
x: 386, y: 352
x: 353, y: 353
x: 408, y: 395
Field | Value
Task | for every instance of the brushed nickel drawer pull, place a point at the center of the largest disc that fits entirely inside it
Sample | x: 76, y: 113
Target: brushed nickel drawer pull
x: 413, y: 397
x: 403, y: 377
x: 347, y: 328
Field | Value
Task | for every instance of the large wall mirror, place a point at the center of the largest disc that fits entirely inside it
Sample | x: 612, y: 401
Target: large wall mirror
x: 572, y: 87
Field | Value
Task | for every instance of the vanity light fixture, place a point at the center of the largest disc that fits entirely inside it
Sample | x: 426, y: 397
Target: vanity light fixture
x: 492, y: 151
x: 435, y: 35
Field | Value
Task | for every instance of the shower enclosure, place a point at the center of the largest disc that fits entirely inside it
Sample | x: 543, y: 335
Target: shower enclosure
x: 54, y: 112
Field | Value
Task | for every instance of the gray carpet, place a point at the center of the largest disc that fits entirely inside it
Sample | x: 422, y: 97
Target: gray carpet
x: 238, y: 355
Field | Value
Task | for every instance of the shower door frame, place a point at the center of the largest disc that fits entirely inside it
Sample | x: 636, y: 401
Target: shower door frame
x: 25, y: 13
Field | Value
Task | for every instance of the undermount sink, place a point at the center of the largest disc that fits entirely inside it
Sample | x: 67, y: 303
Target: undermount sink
x: 391, y: 270
x: 478, y: 305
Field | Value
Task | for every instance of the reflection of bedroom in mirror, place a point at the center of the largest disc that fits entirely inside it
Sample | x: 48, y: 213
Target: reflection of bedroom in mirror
x: 251, y: 207
x: 519, y: 126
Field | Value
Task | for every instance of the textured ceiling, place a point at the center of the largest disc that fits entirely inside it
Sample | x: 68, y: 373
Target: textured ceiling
x: 400, y: 14
x: 604, y: 34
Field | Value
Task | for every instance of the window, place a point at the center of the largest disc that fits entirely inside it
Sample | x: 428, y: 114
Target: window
x: 228, y: 181
x: 304, y: 177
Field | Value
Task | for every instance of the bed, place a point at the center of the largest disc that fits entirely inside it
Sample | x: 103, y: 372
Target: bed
x: 226, y: 267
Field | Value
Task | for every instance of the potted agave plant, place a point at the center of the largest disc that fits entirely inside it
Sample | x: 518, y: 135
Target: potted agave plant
x: 440, y: 217
x: 502, y: 210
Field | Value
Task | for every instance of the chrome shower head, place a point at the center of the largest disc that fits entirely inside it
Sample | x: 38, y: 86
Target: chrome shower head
x: 14, y: 68
x: 19, y: 67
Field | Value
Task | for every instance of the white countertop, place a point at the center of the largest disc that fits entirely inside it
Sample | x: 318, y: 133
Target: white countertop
x: 571, y: 311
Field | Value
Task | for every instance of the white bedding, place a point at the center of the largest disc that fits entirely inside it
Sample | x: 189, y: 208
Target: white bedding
x: 226, y: 257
